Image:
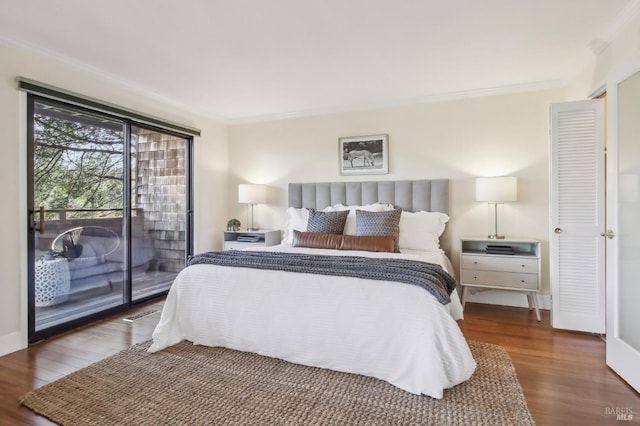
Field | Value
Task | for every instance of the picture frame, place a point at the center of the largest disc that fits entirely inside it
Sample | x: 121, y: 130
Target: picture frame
x: 364, y: 155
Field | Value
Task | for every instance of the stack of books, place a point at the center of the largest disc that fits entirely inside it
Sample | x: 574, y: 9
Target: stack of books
x: 248, y: 239
x: 495, y: 249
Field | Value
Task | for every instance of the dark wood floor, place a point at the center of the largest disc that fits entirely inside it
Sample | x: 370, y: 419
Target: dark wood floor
x: 563, y: 375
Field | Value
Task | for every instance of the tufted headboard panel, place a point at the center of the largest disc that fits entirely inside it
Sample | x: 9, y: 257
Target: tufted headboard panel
x: 411, y: 195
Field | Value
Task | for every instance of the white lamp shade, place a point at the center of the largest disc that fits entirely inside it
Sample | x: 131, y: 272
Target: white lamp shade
x: 252, y: 194
x: 497, y: 189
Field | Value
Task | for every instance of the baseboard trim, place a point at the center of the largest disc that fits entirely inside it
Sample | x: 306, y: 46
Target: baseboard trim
x: 12, y: 342
x: 505, y: 298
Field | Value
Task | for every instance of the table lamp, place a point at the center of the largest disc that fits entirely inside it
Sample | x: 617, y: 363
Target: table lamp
x: 252, y: 194
x: 496, y: 190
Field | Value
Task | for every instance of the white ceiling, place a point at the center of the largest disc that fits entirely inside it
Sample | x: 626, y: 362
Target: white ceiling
x: 246, y: 60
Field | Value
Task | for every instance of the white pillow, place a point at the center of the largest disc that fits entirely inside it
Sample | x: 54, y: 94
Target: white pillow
x: 335, y: 208
x: 296, y: 219
x: 421, y: 230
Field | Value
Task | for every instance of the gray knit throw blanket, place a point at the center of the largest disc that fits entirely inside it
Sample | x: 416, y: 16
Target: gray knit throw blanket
x: 428, y: 276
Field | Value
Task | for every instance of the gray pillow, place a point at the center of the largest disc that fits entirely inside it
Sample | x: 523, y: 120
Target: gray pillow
x: 327, y: 222
x: 379, y: 224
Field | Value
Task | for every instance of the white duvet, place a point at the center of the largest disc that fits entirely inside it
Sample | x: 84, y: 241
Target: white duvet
x: 391, y: 331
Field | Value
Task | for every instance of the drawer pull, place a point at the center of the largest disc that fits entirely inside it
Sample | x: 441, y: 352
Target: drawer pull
x: 522, y: 280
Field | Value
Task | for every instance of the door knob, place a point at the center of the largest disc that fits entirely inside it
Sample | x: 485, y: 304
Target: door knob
x: 609, y: 234
x: 558, y: 230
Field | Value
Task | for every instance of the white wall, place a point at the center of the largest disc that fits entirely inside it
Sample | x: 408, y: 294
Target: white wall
x: 460, y: 140
x: 211, y: 169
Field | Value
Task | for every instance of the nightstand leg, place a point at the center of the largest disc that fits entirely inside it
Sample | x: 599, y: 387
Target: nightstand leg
x: 534, y: 297
x: 463, y: 299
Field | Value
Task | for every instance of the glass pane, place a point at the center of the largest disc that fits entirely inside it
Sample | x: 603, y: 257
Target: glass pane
x: 159, y: 206
x: 629, y: 210
x: 78, y: 198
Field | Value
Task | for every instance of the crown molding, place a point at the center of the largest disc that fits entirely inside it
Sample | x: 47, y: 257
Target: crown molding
x: 101, y: 75
x: 438, y: 97
x: 622, y: 21
x: 152, y: 95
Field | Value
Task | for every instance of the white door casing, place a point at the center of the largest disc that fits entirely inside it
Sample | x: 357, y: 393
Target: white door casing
x: 623, y: 211
x: 577, y: 267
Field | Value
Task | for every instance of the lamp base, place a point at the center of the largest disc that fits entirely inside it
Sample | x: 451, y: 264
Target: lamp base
x: 493, y: 217
x: 251, y: 227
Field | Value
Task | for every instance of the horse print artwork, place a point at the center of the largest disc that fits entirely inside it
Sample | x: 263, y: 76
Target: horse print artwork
x: 364, y: 155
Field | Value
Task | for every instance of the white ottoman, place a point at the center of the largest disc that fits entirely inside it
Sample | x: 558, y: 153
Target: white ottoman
x: 52, y: 281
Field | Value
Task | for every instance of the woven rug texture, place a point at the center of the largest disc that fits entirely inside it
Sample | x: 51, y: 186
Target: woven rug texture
x: 197, y: 385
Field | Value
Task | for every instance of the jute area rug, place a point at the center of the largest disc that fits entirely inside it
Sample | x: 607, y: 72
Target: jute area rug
x: 197, y: 385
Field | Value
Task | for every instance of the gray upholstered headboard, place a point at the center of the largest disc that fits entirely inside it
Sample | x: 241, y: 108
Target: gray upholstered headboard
x: 411, y: 195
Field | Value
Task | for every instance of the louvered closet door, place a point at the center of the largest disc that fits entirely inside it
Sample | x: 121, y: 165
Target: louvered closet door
x: 577, y: 216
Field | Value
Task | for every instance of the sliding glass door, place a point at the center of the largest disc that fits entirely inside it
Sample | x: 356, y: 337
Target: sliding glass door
x: 108, y: 213
x: 159, y: 200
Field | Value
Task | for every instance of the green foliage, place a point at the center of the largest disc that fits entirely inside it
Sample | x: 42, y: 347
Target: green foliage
x: 79, y: 163
x: 233, y: 225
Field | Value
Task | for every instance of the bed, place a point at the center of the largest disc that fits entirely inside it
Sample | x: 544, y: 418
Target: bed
x: 401, y: 333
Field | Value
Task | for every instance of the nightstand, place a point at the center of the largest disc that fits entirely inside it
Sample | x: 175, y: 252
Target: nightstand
x: 237, y: 240
x: 484, y: 265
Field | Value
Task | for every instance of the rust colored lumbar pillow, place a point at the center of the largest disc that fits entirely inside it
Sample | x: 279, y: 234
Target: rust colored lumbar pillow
x: 317, y: 240
x: 342, y: 242
x: 368, y: 243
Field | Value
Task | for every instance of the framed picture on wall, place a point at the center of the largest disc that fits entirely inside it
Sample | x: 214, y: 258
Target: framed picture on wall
x: 364, y: 155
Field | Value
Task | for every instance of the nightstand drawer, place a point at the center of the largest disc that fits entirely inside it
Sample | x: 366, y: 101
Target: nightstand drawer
x: 500, y: 263
x: 234, y: 245
x: 499, y: 279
